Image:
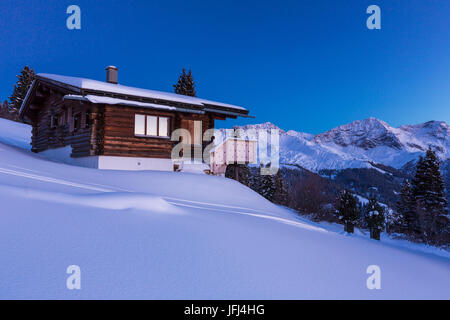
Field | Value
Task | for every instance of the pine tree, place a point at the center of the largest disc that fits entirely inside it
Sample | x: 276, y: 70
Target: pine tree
x: 3, y: 110
x: 409, y: 220
x: 185, y: 84
x: 24, y: 81
x: 374, y: 217
x: 394, y: 222
x: 265, y: 184
x: 267, y: 189
x: 239, y: 172
x: 348, y: 210
x: 281, y: 194
x: 429, y: 195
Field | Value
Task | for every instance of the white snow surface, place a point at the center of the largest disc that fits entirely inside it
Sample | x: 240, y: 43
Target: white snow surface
x: 356, y: 144
x: 170, y: 235
x: 84, y: 83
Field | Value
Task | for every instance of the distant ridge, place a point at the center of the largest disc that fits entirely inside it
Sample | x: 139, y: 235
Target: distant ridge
x: 360, y: 143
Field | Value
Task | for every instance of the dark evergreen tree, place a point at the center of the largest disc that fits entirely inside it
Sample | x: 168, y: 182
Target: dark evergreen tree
x: 239, y: 172
x: 430, y: 198
x: 185, y: 84
x: 265, y: 184
x: 406, y: 207
x: 374, y: 217
x: 3, y: 109
x: 24, y: 81
x: 281, y: 194
x: 348, y: 210
x: 393, y: 221
x: 267, y: 189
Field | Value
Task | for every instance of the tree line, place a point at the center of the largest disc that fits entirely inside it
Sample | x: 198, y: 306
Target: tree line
x: 423, y: 203
x: 421, y: 215
x: 10, y: 109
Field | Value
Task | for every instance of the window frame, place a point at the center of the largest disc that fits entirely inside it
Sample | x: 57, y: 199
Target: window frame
x: 148, y: 127
x: 53, y: 121
x: 158, y: 117
x: 158, y: 122
x: 61, y: 119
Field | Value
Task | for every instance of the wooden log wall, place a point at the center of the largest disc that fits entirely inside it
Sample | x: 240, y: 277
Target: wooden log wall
x: 45, y: 136
x: 120, y: 140
x: 111, y: 130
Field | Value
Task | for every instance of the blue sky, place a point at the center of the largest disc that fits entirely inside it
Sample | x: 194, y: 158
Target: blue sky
x: 307, y: 65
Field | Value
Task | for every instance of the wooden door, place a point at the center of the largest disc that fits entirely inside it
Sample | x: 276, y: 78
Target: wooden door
x: 194, y: 141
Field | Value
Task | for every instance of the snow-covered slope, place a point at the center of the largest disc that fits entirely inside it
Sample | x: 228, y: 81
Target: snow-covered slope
x: 159, y: 235
x: 356, y: 144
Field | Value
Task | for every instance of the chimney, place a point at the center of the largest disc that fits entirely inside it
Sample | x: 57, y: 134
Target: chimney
x: 111, y: 74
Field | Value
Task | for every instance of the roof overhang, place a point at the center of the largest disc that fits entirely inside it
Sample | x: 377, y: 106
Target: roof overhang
x: 114, y: 101
x: 72, y: 92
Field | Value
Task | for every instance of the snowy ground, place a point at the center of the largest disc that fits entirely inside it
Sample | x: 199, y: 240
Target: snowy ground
x: 160, y: 235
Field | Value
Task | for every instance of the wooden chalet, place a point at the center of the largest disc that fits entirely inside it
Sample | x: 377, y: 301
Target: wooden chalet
x: 110, y: 126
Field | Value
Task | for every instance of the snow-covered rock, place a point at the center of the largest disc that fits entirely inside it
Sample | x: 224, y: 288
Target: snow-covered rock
x: 360, y: 143
x: 365, y: 134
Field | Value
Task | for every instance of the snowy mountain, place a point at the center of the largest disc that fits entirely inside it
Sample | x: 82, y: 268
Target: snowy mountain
x: 360, y: 143
x: 170, y: 235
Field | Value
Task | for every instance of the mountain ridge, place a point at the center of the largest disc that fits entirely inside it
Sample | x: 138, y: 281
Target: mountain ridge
x: 360, y: 143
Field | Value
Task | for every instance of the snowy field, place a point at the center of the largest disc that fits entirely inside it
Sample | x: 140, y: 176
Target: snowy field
x: 164, y: 235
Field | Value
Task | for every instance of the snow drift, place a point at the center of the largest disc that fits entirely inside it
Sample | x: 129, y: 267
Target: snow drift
x: 164, y: 235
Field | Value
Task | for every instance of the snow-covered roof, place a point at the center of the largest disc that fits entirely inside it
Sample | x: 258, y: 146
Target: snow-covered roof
x: 115, y: 101
x: 89, y: 84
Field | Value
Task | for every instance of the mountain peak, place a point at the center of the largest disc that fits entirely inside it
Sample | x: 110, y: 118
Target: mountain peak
x: 432, y: 125
x: 367, y: 134
x: 367, y: 124
x: 432, y: 131
x: 361, y: 142
x: 259, y: 126
x: 373, y: 120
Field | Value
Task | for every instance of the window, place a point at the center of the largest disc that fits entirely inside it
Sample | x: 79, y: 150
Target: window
x: 61, y: 118
x: 151, y: 126
x: 163, y: 130
x: 57, y: 120
x: 53, y: 122
x: 76, y: 121
x: 139, y: 124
